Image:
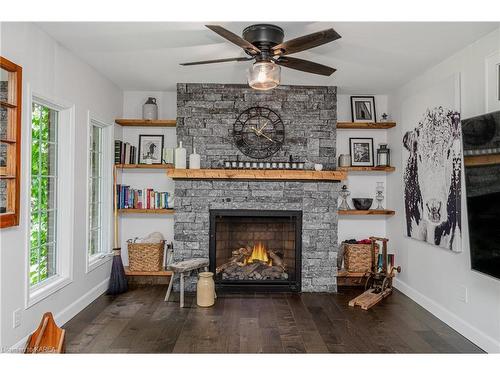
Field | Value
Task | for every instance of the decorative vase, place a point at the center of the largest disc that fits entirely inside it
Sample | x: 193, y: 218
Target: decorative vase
x: 205, y: 289
x: 194, y: 160
x: 380, y: 195
x: 150, y: 109
x: 345, y: 160
x: 180, y: 157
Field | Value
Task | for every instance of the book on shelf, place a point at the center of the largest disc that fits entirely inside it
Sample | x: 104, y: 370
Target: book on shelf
x: 125, y: 153
x: 148, y: 199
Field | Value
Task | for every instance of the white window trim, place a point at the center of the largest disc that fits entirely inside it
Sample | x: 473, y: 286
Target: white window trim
x: 97, y: 260
x: 65, y: 198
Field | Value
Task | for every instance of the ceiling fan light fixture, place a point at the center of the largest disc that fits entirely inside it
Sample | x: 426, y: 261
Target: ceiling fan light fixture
x: 264, y: 75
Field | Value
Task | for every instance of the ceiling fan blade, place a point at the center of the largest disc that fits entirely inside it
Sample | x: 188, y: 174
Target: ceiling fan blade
x: 233, y: 38
x: 217, y: 61
x: 305, y: 66
x: 306, y: 42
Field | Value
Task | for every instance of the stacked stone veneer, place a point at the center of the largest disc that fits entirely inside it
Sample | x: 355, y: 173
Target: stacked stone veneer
x: 206, y: 114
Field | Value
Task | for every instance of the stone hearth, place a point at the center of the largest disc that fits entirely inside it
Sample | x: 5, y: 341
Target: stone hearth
x: 206, y: 113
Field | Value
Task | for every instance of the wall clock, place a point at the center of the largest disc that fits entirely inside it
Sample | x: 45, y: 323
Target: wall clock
x: 259, y: 132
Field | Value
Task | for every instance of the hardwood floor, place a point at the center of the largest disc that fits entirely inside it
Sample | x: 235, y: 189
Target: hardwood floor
x: 141, y: 322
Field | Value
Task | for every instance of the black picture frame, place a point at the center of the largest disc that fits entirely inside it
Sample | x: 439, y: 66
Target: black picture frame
x: 355, y: 111
x: 157, y: 153
x: 357, y: 154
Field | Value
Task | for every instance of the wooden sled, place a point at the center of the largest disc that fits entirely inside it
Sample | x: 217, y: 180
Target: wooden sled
x: 48, y: 337
x: 370, y: 298
x: 378, y: 283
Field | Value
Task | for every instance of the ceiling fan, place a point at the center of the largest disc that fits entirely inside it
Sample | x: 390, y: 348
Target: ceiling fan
x: 264, y: 44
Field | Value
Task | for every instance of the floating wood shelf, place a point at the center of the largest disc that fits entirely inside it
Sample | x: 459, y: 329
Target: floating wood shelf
x: 147, y: 273
x: 252, y: 174
x: 367, y: 169
x: 365, y: 125
x: 366, y: 212
x: 144, y: 166
x: 157, y: 211
x: 150, y: 123
x: 345, y: 278
x: 481, y: 160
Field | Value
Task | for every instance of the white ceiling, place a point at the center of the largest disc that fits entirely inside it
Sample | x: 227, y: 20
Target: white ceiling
x: 370, y: 58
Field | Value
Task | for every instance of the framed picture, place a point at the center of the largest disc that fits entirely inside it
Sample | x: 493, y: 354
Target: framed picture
x: 361, y: 152
x: 150, y: 147
x: 363, y: 109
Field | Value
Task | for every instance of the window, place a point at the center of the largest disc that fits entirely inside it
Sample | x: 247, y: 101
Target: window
x: 95, y: 190
x: 51, y: 155
x: 10, y: 142
x: 43, y: 239
x: 99, y: 196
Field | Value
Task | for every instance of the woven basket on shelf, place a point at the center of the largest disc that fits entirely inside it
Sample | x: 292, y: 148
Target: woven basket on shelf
x: 358, y: 257
x: 145, y: 256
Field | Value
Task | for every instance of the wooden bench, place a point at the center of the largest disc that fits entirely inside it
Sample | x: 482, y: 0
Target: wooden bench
x: 184, y: 268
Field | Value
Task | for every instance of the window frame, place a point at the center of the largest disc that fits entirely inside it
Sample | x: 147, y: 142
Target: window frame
x: 13, y: 169
x: 65, y: 199
x: 96, y: 260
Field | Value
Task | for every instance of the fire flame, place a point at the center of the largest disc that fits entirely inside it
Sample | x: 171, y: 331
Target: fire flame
x: 259, y: 253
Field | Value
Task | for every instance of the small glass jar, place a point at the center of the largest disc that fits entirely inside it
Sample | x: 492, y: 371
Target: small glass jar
x: 280, y: 165
x: 268, y: 165
x: 254, y: 165
x: 247, y: 164
x: 240, y: 164
x: 261, y: 165
x: 227, y: 164
x: 274, y: 165
x: 234, y: 164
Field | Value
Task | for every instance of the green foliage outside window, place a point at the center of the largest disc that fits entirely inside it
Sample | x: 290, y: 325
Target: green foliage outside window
x: 43, y: 193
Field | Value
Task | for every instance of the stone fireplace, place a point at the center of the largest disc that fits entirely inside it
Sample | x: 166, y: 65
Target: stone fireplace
x: 206, y: 114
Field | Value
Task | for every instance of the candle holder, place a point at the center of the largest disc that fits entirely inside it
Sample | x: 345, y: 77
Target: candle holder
x: 344, y: 193
x: 380, y: 195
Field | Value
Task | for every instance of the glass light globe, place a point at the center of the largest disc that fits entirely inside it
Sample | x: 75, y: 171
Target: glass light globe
x: 264, y: 75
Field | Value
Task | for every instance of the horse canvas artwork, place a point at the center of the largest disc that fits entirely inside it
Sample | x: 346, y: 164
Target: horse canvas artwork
x: 432, y: 179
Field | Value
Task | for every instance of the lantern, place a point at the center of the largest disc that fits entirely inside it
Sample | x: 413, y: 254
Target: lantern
x: 383, y: 156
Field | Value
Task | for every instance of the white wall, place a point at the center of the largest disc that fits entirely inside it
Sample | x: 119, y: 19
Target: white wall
x: 432, y: 276
x: 361, y: 184
x: 137, y: 225
x: 52, y: 71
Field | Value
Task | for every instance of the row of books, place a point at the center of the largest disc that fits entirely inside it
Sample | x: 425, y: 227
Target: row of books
x: 125, y: 153
x: 141, y: 198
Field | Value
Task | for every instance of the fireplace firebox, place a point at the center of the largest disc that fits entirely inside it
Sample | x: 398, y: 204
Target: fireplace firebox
x: 256, y: 250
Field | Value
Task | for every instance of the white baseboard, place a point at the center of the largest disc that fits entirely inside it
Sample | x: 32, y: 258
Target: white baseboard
x: 62, y: 317
x: 481, y: 339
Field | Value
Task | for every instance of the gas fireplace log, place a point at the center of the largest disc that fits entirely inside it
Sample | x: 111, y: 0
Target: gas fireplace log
x: 277, y: 261
x: 238, y: 256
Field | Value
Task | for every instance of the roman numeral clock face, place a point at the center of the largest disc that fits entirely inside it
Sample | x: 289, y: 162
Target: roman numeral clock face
x: 259, y: 132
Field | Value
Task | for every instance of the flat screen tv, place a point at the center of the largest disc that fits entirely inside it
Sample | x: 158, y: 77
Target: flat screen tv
x: 481, y: 140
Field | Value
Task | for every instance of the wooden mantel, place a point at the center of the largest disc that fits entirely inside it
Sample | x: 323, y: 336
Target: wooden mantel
x: 255, y: 174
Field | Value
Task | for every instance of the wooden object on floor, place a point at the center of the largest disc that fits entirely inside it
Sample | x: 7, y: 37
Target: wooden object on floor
x: 378, y: 283
x: 48, y: 337
x: 369, y: 298
x: 184, y: 268
x: 149, y: 123
x: 366, y: 212
x: 365, y: 125
x: 256, y: 174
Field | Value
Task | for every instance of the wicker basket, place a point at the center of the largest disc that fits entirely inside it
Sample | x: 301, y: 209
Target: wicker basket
x: 145, y: 256
x: 358, y: 258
